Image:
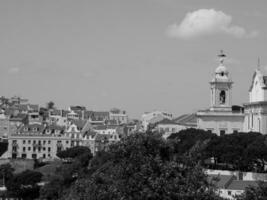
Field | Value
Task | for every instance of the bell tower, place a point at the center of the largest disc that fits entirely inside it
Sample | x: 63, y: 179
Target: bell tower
x: 221, y: 87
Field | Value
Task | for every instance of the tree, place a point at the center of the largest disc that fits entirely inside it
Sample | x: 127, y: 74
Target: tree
x: 50, y: 105
x: 238, y: 151
x: 67, y: 173
x: 80, y: 152
x: 255, y: 193
x: 186, y: 139
x: 144, y: 166
x: 24, y: 185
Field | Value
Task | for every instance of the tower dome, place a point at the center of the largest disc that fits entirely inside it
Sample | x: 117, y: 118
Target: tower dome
x: 221, y: 70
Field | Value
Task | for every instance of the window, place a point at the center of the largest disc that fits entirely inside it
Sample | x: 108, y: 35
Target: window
x: 210, y: 130
x: 39, y: 148
x: 43, y: 148
x: 29, y: 148
x: 24, y: 149
x: 29, y: 142
x: 222, y: 97
x: 34, y: 148
x: 49, y: 141
x: 23, y: 155
x: 44, y: 142
x: 229, y: 193
x: 44, y: 155
x: 49, y: 149
x: 222, y: 132
x: 24, y: 141
x: 235, y: 131
x: 252, y: 120
x: 67, y: 142
x: 34, y: 156
x: 34, y: 142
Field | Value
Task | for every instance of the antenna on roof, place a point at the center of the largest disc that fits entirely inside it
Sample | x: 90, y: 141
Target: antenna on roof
x: 221, y: 56
x: 259, y: 64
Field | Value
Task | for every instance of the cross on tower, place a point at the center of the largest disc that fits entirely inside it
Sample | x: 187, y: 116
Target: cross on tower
x: 221, y: 56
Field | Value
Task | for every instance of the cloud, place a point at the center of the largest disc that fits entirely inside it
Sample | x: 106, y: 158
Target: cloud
x: 13, y: 70
x: 205, y: 22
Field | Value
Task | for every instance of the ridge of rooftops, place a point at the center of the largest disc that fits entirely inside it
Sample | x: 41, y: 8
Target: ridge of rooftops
x: 230, y: 182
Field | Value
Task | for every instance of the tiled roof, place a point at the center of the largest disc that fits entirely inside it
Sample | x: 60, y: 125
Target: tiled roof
x: 187, y: 120
x: 32, y: 128
x: 167, y: 121
x: 79, y: 123
x: 100, y: 127
x: 221, y: 181
x: 55, y: 127
x: 100, y: 137
x: 241, y: 185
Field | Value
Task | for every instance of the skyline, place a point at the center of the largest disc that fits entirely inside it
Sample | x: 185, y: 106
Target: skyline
x: 138, y: 55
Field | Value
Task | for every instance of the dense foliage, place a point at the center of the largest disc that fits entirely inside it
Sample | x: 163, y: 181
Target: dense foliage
x: 146, y: 166
x: 143, y: 166
x: 255, y: 193
x: 237, y: 151
x: 67, y: 173
x: 24, y: 185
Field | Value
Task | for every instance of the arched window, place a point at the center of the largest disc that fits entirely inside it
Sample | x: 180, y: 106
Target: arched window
x: 222, y: 97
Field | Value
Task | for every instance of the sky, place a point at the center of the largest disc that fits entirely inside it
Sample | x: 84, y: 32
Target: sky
x: 137, y: 55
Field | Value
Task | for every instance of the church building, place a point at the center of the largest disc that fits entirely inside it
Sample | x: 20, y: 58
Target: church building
x: 221, y: 118
x: 256, y: 109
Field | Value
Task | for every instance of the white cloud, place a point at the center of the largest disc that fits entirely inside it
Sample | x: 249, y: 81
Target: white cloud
x: 14, y: 70
x: 207, y: 22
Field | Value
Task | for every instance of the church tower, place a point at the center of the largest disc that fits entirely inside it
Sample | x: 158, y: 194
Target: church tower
x: 221, y: 88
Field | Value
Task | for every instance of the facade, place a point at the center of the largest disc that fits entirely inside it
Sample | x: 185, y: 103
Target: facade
x: 37, y: 141
x: 167, y: 127
x: 187, y: 121
x: 154, y: 117
x: 4, y: 126
x: 220, y: 118
x: 229, y: 186
x: 256, y: 109
x: 99, y: 139
x: 118, y: 116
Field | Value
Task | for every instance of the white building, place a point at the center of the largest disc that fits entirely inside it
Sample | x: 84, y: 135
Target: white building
x: 154, y: 117
x: 118, y: 116
x: 256, y: 109
x: 220, y: 118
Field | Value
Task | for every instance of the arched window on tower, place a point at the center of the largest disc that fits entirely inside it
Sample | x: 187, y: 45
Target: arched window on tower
x: 222, y: 97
